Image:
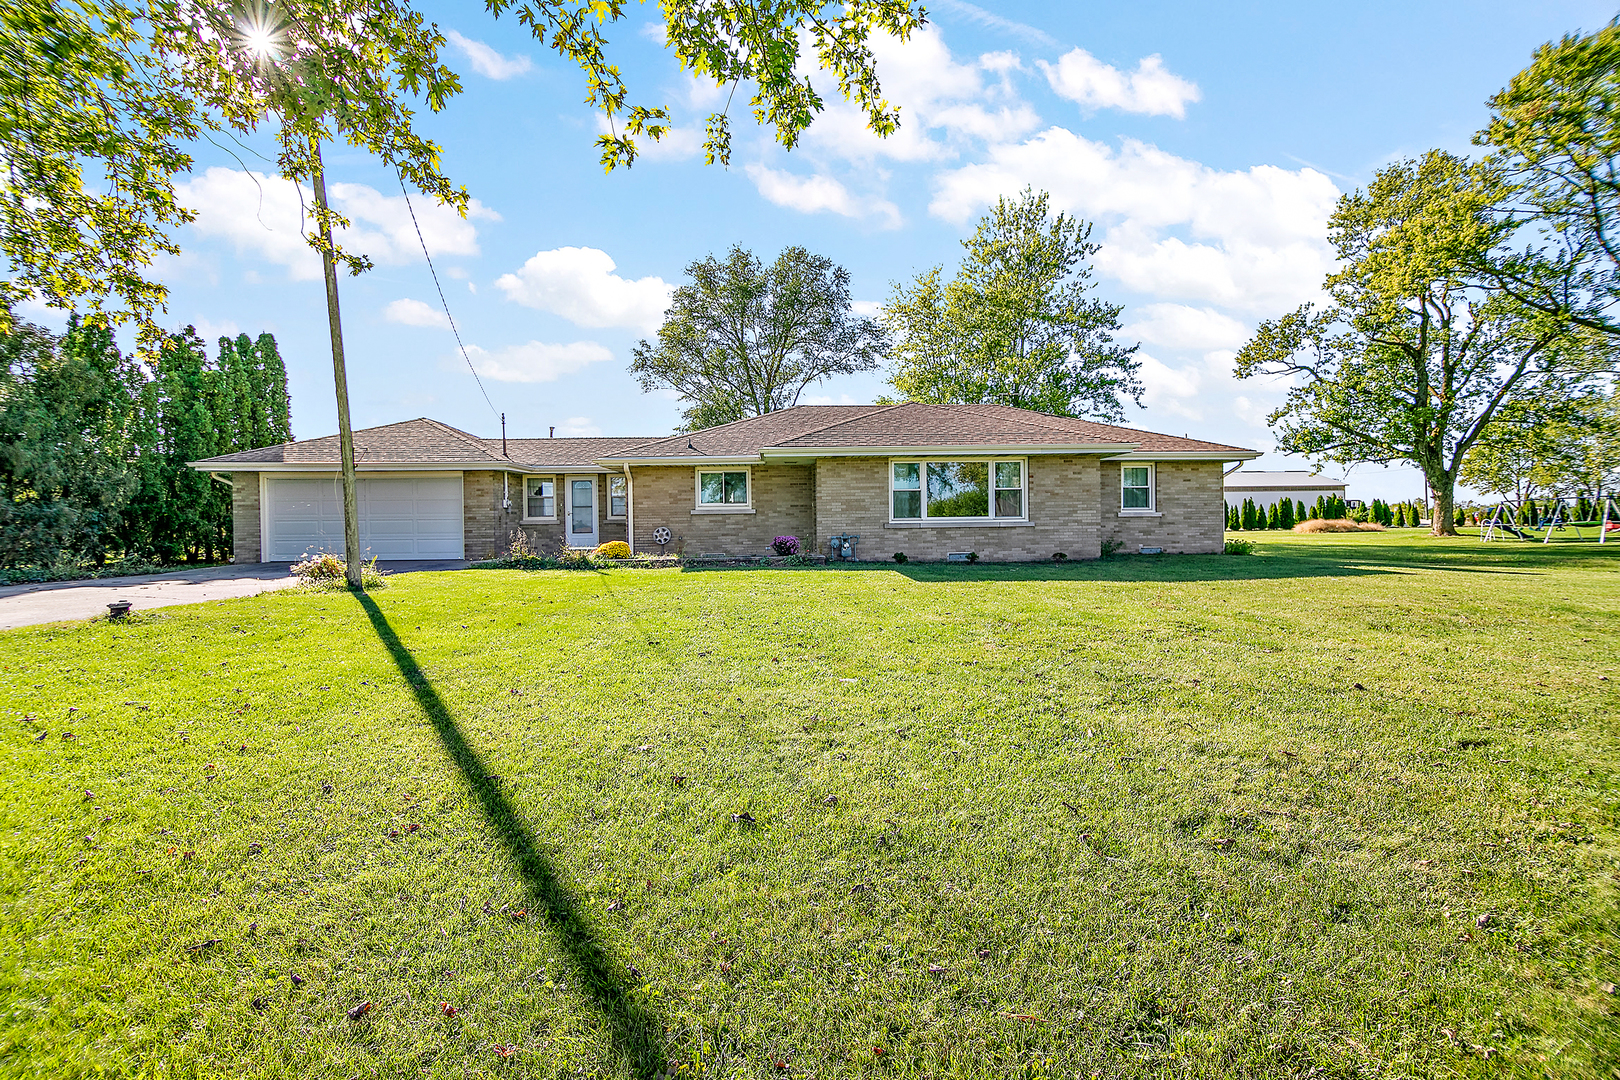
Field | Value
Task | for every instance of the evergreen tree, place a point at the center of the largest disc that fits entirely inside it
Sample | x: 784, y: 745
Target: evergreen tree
x: 1273, y: 517
x: 1285, y: 514
x: 1248, y: 513
x: 65, y: 416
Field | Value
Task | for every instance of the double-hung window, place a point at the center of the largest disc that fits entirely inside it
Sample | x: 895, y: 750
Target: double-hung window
x: 618, y: 496
x: 539, y: 497
x: 722, y: 489
x: 957, y: 491
x: 1136, y: 488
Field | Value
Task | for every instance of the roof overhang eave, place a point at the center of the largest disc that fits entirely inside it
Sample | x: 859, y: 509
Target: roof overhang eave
x: 685, y: 459
x: 206, y: 465
x: 1186, y: 455
x: 974, y: 450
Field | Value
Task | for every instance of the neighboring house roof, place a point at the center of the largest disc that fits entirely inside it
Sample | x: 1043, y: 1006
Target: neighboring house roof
x: 1276, y: 481
x: 820, y: 430
x: 804, y: 431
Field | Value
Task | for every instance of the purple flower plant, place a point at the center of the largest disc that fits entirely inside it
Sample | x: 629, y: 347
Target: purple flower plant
x: 785, y: 545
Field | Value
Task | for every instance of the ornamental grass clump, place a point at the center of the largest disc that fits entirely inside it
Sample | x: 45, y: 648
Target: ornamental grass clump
x: 1321, y: 525
x: 785, y: 545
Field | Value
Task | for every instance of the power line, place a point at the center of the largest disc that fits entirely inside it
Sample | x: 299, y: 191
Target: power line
x: 443, y: 302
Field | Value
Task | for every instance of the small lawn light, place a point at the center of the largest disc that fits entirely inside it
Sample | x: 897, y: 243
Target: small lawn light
x: 118, y: 609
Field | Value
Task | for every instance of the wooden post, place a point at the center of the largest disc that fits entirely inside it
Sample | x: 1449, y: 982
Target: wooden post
x: 351, y: 510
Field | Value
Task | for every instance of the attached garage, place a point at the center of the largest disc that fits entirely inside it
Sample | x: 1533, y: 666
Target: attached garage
x: 405, y: 516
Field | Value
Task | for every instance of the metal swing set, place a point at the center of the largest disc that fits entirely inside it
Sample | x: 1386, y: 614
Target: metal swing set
x: 1501, y: 524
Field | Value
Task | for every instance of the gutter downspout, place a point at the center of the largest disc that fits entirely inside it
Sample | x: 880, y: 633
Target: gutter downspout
x: 630, y: 508
x: 221, y: 478
x: 1232, y: 470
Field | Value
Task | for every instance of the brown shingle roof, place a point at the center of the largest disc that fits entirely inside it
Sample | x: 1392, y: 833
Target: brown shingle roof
x: 810, y: 428
x: 428, y: 442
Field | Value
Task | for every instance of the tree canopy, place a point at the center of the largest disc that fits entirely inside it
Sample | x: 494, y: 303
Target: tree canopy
x: 1017, y: 325
x: 1417, y: 353
x: 99, y: 100
x: 744, y: 338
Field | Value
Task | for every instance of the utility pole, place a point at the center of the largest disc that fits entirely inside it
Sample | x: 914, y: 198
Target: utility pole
x: 351, y: 510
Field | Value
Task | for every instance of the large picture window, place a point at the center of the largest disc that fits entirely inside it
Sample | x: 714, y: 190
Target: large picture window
x: 1136, y: 487
x: 539, y: 497
x: 726, y: 488
x: 956, y: 490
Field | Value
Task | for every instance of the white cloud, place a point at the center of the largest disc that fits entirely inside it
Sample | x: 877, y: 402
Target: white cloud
x: 678, y: 143
x: 944, y: 103
x: 579, y: 284
x: 867, y: 309
x: 578, y: 427
x: 415, y: 313
x: 977, y: 14
x: 486, y: 61
x: 1252, y: 240
x: 813, y: 194
x: 267, y: 216
x: 1177, y: 326
x: 1149, y: 89
x: 211, y: 331
x: 537, y: 361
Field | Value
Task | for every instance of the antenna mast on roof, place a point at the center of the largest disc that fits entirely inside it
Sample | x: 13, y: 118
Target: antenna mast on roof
x: 553, y: 434
x: 503, y: 436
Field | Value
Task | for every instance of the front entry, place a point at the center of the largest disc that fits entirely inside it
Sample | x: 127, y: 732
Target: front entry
x: 582, y: 511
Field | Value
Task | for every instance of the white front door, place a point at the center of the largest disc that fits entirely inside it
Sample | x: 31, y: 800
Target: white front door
x: 581, y: 511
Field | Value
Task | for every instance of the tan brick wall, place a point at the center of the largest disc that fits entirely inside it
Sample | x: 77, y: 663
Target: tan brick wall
x: 1190, y: 500
x: 245, y: 545
x: 852, y: 496
x: 783, y: 500
x: 548, y: 538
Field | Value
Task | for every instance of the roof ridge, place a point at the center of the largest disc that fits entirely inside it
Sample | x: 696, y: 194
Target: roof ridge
x: 872, y: 410
x: 467, y: 435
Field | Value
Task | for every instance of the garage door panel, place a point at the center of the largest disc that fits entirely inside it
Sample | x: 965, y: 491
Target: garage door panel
x: 404, y: 518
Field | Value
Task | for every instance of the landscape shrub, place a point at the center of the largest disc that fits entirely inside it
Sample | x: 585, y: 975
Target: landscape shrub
x: 1058, y: 556
x: 973, y: 556
x: 1109, y: 547
x: 1274, y: 517
x: 785, y: 545
x: 613, y: 549
x: 900, y: 556
x: 1285, y: 514
x: 325, y: 570
x: 1321, y: 525
x: 1239, y: 547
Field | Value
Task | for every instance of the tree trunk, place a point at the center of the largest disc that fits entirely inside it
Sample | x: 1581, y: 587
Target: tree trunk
x: 1442, y: 519
x: 351, y: 511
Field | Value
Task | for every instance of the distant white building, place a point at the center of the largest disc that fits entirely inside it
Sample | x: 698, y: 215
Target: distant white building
x: 1267, y: 488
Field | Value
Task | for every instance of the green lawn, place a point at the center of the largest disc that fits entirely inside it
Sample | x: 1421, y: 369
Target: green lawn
x: 1346, y: 807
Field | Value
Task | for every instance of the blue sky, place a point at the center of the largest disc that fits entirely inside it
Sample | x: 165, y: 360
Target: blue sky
x: 1207, y: 142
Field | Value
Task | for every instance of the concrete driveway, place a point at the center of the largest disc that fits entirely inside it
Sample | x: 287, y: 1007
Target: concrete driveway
x: 63, y: 601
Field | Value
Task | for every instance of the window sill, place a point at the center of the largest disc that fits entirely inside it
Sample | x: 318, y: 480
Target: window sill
x: 615, y: 520
x: 538, y: 521
x: 961, y: 523
x: 723, y: 510
x: 1140, y: 513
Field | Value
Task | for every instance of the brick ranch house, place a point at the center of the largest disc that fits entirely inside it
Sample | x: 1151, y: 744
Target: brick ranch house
x: 928, y: 480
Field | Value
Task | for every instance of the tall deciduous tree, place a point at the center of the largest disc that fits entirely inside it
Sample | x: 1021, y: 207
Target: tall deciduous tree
x: 1018, y: 324
x: 1516, y: 454
x: 1417, y: 353
x: 1554, y: 134
x: 745, y: 338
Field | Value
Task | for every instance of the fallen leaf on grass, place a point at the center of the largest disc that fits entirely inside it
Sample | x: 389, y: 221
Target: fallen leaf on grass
x: 259, y: 1004
x: 1606, y: 987
x: 1224, y: 843
x: 42, y: 736
x: 1423, y: 864
x: 677, y: 780
x: 255, y: 847
x: 360, y: 1010
x: 504, y: 1050
x: 444, y: 1006
x: 295, y: 978
x: 615, y: 905
x: 936, y: 969
x: 744, y: 818
x: 393, y: 834
x: 1358, y: 686
x: 520, y: 914
x: 859, y: 887
x: 89, y: 795
x: 203, y: 945
x: 326, y: 789
x: 1023, y: 1016
x: 412, y: 827
x: 1483, y: 921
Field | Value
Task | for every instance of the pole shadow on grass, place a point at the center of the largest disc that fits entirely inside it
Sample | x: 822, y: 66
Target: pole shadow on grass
x: 636, y: 1033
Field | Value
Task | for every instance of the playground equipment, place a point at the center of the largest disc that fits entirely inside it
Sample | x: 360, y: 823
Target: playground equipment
x: 1501, y: 524
x: 1559, y: 521
x: 1604, y: 525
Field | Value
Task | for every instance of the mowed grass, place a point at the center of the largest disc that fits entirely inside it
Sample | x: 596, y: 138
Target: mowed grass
x: 1346, y: 807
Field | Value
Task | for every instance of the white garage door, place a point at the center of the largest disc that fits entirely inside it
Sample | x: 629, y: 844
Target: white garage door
x: 400, y: 518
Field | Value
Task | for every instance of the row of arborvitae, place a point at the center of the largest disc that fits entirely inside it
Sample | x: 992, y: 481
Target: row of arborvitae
x: 1286, y: 513
x: 94, y: 445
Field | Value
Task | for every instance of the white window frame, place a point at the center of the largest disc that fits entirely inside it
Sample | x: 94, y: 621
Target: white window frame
x: 618, y: 478
x: 990, y: 463
x: 1152, y: 508
x: 524, y: 494
x: 701, y: 507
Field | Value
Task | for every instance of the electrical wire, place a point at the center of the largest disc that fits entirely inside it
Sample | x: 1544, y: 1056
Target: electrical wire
x: 445, y: 303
